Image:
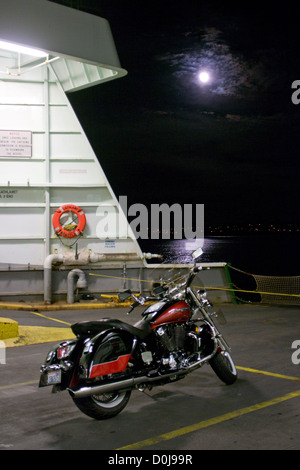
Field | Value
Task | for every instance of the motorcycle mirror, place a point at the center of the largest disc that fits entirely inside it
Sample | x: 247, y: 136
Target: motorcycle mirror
x: 124, y: 295
x: 197, y: 269
x: 197, y: 253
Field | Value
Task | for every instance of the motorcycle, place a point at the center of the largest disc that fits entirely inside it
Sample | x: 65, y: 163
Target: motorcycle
x: 110, y: 358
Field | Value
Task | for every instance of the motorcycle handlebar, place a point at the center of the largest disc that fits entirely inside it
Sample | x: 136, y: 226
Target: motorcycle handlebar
x: 193, y: 272
x: 132, y: 307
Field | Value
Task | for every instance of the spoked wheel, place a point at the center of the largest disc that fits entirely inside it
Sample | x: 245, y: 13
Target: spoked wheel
x: 223, y: 366
x: 104, y: 406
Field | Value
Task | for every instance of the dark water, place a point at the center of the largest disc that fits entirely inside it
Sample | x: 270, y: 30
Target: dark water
x: 265, y: 254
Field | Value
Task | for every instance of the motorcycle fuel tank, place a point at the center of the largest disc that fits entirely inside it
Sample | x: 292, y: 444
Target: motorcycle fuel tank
x: 179, y: 311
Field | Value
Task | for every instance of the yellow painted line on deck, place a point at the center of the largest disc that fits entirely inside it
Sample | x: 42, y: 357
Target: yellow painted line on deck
x: 247, y: 369
x: 21, y: 384
x: 49, y: 318
x: 209, y: 422
x: 39, y: 334
x: 272, y: 374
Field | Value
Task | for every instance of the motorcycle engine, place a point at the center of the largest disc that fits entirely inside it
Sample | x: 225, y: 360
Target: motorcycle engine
x: 173, y: 339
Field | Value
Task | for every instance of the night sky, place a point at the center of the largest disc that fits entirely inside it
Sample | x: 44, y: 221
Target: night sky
x: 163, y: 136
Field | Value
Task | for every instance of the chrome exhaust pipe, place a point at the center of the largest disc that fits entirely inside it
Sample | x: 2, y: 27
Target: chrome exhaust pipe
x: 135, y: 381
x: 125, y: 384
x: 106, y: 388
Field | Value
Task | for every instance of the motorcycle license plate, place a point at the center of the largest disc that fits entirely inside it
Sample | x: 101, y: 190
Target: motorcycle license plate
x: 54, y: 377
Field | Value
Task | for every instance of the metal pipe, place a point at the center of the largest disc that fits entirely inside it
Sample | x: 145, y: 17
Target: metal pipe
x: 81, y: 283
x: 50, y: 259
x: 83, y: 258
x: 98, y: 257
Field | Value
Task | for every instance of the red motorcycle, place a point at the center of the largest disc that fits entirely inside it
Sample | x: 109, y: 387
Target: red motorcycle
x: 110, y: 358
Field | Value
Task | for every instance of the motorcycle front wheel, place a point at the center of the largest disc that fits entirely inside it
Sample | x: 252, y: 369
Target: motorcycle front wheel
x: 223, y: 366
x: 104, y: 406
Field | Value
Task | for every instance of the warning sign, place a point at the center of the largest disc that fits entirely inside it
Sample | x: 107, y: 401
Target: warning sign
x: 16, y: 144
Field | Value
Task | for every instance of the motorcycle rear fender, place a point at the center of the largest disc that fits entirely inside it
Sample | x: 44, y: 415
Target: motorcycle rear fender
x: 61, y: 356
x: 106, y: 353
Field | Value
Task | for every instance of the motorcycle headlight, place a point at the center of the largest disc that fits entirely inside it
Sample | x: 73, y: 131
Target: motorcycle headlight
x: 202, y: 293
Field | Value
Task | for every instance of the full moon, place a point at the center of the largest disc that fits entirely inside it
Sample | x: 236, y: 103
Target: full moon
x: 203, y: 77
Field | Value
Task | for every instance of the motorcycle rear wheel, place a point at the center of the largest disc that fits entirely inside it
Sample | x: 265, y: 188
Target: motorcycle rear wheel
x: 104, y: 406
x: 223, y: 366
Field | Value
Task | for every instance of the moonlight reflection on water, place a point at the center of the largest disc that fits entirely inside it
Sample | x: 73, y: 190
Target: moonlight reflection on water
x: 270, y: 255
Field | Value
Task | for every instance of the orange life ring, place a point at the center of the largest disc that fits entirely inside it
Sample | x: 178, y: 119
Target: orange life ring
x: 72, y: 230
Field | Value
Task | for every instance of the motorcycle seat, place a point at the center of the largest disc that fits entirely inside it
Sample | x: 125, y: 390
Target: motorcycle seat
x: 92, y: 328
